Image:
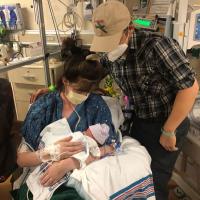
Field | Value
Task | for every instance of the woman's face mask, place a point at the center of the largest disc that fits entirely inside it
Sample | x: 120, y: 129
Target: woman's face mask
x: 76, y: 98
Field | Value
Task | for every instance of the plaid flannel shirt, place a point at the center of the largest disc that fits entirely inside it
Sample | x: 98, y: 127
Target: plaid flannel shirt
x: 153, y: 71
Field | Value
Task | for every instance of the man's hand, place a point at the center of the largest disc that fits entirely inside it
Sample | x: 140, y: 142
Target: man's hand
x: 39, y: 92
x: 169, y: 143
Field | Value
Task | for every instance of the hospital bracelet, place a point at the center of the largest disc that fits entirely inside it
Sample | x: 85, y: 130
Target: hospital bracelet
x: 168, y: 133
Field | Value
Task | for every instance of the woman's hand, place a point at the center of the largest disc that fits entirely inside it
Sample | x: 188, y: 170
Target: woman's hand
x: 68, y: 148
x: 53, y: 174
x: 37, y: 94
x: 169, y: 143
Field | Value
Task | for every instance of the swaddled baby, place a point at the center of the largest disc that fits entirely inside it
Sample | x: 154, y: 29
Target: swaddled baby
x: 94, y: 136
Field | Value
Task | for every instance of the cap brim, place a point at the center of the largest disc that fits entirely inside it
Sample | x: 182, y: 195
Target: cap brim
x: 105, y: 43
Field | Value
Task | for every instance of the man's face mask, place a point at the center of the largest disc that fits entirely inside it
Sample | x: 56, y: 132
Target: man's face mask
x: 76, y: 98
x: 122, y: 47
x: 119, y: 51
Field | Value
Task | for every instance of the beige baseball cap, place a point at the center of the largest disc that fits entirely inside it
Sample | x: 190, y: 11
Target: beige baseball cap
x: 109, y: 20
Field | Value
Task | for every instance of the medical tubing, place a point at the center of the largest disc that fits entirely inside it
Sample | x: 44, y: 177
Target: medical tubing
x: 51, y: 161
x: 79, y: 118
x: 27, y: 194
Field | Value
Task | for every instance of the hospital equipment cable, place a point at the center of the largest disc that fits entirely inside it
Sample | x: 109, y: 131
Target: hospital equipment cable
x: 36, y: 12
x: 70, y: 19
x: 35, y: 8
x: 54, y: 23
x: 74, y: 109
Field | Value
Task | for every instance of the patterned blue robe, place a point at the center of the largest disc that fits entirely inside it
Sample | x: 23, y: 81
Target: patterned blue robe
x: 48, y: 109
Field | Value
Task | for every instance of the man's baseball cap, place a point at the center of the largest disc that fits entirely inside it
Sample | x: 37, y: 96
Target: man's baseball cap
x: 109, y: 20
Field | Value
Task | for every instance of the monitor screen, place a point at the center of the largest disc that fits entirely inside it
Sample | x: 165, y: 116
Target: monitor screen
x: 197, y: 28
x: 11, y: 17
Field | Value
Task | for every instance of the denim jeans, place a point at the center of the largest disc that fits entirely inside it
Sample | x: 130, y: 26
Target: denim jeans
x: 147, y: 132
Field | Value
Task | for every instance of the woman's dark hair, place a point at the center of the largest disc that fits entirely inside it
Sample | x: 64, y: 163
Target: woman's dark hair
x: 70, y: 48
x: 86, y: 73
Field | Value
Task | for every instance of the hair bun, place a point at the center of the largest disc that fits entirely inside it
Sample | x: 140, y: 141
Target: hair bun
x: 69, y: 48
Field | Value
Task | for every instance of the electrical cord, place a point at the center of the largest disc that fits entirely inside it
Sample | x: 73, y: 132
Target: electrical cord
x: 55, y: 23
x: 69, y: 21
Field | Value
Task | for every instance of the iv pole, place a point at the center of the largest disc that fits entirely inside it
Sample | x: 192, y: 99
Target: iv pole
x: 39, y: 5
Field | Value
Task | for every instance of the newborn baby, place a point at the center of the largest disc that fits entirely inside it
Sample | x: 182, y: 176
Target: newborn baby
x: 92, y: 138
x: 95, y: 136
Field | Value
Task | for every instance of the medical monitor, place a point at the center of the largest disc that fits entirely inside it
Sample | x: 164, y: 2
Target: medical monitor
x: 194, y: 29
x: 11, y: 17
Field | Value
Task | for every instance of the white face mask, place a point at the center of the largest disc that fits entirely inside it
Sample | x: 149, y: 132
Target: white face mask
x: 119, y: 51
x: 76, y: 98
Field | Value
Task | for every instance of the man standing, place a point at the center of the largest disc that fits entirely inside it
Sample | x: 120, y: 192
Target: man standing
x: 154, y: 73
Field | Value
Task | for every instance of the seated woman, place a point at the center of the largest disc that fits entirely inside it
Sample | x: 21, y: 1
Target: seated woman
x: 74, y: 101
x: 125, y: 175
x: 93, y: 138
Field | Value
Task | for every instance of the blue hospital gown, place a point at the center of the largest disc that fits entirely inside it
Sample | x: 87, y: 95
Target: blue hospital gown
x: 48, y: 109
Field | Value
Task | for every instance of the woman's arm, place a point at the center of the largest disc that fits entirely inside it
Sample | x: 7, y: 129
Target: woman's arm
x: 28, y: 159
x: 59, y: 169
x: 67, y: 148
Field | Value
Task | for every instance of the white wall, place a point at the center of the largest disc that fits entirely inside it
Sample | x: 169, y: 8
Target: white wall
x: 28, y: 12
x: 194, y: 2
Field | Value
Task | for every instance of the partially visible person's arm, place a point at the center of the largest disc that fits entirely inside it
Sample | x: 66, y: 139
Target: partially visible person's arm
x: 174, y: 67
x: 59, y: 169
x: 28, y: 159
x: 66, y: 149
x: 182, y: 105
x: 39, y: 92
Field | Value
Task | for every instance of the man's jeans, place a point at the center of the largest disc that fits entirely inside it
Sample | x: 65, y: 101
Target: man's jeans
x: 147, y: 132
